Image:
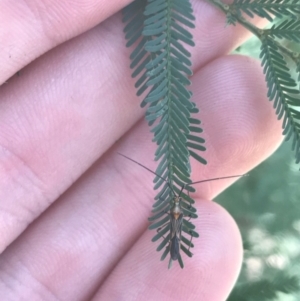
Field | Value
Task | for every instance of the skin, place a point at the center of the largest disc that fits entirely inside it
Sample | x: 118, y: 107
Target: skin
x: 73, y: 214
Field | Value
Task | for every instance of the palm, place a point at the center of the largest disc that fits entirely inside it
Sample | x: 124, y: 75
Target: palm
x: 73, y: 214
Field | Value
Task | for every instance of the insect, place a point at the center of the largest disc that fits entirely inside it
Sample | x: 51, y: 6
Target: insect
x: 174, y: 222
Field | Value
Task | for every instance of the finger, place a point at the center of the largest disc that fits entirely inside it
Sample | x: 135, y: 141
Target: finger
x: 238, y: 121
x: 63, y: 113
x: 55, y: 124
x: 209, y: 275
x: 31, y: 28
x: 82, y: 237
x: 211, y: 35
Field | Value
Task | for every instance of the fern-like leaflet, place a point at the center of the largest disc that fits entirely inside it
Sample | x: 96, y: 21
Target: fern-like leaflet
x: 298, y: 66
x: 162, y: 65
x: 288, y: 29
x: 282, y: 87
x: 281, y: 90
x: 267, y: 8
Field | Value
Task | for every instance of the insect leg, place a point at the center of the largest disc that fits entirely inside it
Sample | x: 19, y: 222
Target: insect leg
x: 170, y: 263
x: 163, y: 227
x: 189, y: 216
x: 158, y: 215
x: 163, y: 243
x: 159, y: 223
x: 165, y: 253
x: 190, y: 242
x: 189, y: 200
x: 180, y: 261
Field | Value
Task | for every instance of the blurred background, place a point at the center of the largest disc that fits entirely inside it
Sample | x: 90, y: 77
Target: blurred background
x: 266, y: 207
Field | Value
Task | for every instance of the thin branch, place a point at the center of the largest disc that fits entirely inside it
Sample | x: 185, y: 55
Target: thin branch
x: 259, y: 33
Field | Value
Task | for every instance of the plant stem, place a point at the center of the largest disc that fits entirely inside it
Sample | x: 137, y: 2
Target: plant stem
x: 259, y: 33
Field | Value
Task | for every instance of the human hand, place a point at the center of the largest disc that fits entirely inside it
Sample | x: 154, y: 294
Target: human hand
x: 73, y: 214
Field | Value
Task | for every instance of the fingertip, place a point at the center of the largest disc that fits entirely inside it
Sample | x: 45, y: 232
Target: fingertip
x: 221, y: 248
x: 241, y: 128
x: 209, y: 275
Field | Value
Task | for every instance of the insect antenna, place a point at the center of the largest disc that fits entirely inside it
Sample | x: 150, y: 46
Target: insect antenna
x: 150, y: 171
x: 212, y: 179
x: 183, y: 186
x: 219, y: 178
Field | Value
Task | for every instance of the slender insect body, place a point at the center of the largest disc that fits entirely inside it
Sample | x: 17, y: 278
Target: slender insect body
x: 176, y: 217
x: 177, y: 224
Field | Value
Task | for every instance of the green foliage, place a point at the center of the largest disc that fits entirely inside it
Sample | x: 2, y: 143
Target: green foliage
x: 267, y: 8
x: 298, y: 65
x: 230, y: 19
x: 158, y: 30
x: 268, y: 217
x: 279, y: 63
x: 265, y: 289
x: 281, y: 91
x: 288, y: 29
